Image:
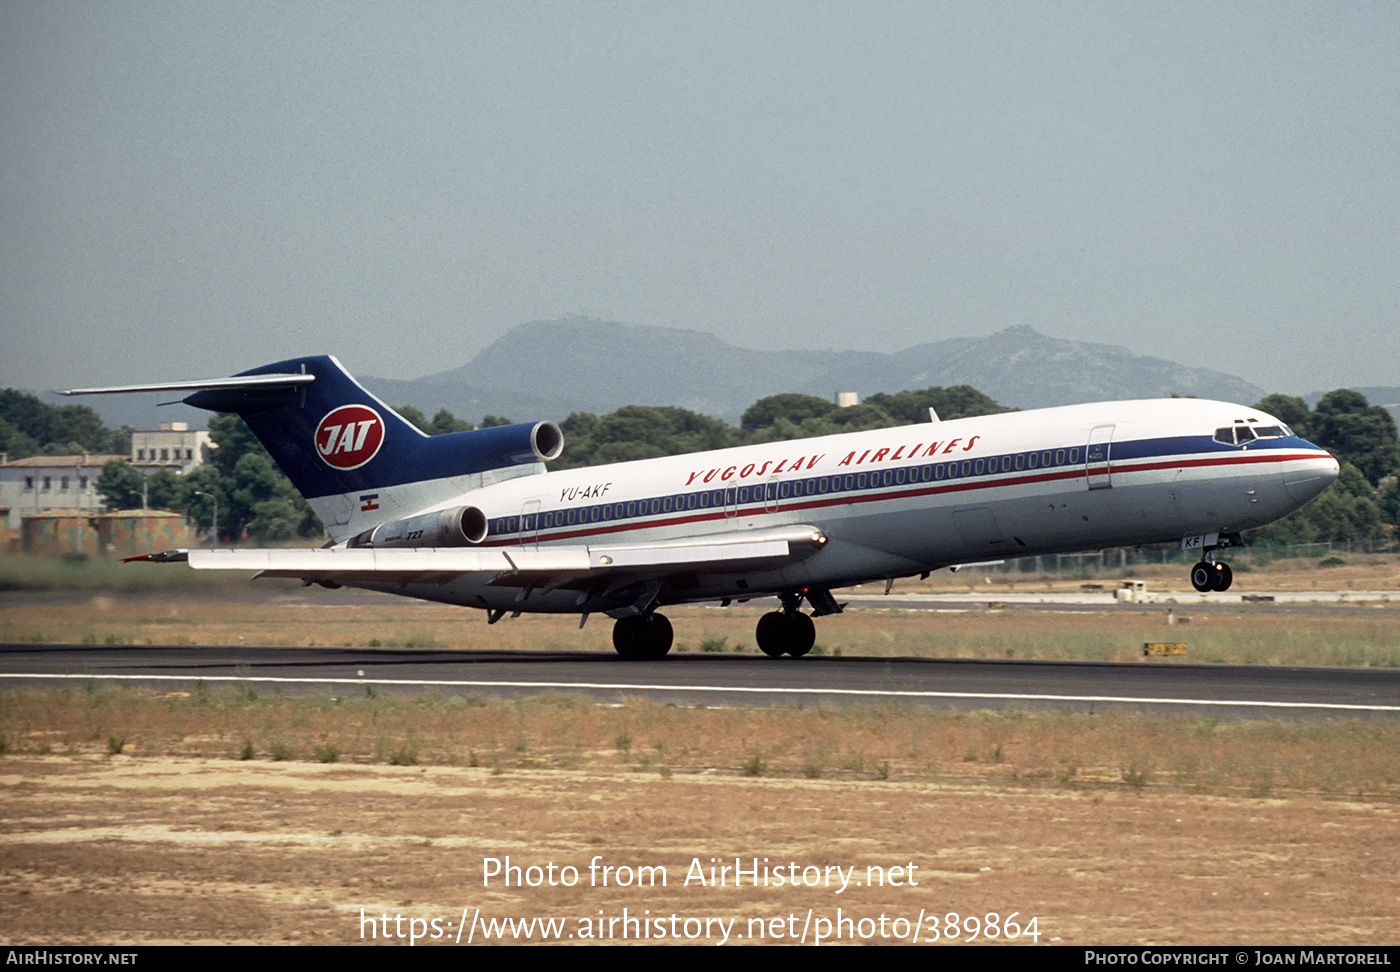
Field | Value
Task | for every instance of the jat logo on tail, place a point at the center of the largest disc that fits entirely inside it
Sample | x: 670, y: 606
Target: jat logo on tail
x: 350, y: 436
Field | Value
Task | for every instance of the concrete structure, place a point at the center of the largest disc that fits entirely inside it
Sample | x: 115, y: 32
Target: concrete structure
x: 41, y: 484
x: 60, y: 532
x: 126, y: 533
x: 173, y: 446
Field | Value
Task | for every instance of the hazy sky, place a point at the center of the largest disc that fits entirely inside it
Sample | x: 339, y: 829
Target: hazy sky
x: 190, y: 189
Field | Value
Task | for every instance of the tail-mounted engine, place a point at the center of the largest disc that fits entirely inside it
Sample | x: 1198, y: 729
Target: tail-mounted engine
x: 464, y: 526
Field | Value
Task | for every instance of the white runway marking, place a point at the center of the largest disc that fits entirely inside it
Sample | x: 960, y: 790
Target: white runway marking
x: 624, y: 686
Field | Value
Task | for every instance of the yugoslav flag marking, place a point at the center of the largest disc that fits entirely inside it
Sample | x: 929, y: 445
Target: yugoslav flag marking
x: 349, y: 436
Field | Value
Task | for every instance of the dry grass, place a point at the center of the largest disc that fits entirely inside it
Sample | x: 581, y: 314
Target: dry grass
x: 1361, y: 637
x: 1358, y: 572
x: 32, y: 572
x: 1065, y: 749
x: 1357, y: 636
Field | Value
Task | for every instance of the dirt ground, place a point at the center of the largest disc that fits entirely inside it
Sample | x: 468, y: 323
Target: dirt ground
x: 122, y: 850
x: 159, y: 848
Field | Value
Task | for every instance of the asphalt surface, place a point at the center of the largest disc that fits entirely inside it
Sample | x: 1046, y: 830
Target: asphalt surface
x: 1158, y: 685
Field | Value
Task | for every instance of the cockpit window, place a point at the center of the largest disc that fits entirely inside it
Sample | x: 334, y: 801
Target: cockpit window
x: 1244, y: 434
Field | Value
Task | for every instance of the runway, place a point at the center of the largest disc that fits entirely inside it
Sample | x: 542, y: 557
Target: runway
x: 1164, y: 685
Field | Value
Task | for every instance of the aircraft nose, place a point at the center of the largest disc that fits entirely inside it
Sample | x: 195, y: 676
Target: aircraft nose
x: 1306, y: 478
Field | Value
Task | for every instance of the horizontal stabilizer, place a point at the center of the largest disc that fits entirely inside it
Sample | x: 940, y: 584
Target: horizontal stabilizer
x: 207, y: 384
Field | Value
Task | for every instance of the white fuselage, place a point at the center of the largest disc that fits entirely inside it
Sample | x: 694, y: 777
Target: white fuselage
x: 896, y: 502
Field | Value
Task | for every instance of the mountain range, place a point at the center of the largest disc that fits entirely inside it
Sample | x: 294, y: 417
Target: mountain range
x: 548, y: 369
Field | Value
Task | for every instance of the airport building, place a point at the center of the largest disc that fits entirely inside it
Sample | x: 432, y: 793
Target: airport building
x: 39, y: 484
x: 45, y: 484
x: 173, y: 446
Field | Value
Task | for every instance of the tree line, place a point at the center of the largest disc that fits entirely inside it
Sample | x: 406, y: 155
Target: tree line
x: 256, y: 500
x: 32, y: 427
x: 240, y: 483
x: 1364, y: 503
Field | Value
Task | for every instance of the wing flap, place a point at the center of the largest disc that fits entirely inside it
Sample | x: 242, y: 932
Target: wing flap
x: 687, y: 556
x: 456, y: 560
x: 439, y: 565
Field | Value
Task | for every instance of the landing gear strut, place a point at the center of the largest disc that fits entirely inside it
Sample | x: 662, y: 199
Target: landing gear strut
x: 642, y: 637
x: 786, y: 632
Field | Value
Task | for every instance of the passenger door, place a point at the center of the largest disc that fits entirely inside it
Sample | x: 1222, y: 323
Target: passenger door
x: 1096, y: 457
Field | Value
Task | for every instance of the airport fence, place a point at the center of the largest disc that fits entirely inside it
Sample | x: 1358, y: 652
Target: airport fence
x: 1110, y: 559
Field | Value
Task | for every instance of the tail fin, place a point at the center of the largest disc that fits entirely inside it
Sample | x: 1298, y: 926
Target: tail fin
x: 357, y: 461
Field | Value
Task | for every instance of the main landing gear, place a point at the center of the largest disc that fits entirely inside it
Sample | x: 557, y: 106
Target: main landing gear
x: 789, y: 631
x: 642, y: 637
x: 784, y: 633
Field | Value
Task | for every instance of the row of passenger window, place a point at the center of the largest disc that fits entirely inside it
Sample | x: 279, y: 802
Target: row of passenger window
x: 770, y: 495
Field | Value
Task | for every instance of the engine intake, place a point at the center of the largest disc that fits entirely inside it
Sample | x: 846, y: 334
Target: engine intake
x: 507, y: 445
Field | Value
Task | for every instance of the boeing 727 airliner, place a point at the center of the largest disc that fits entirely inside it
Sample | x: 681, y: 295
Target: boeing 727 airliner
x: 474, y: 518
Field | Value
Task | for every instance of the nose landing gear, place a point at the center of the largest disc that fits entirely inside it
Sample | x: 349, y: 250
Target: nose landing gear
x: 1211, y: 576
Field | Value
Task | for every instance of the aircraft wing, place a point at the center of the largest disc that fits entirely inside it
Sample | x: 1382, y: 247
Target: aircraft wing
x: 556, y: 564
